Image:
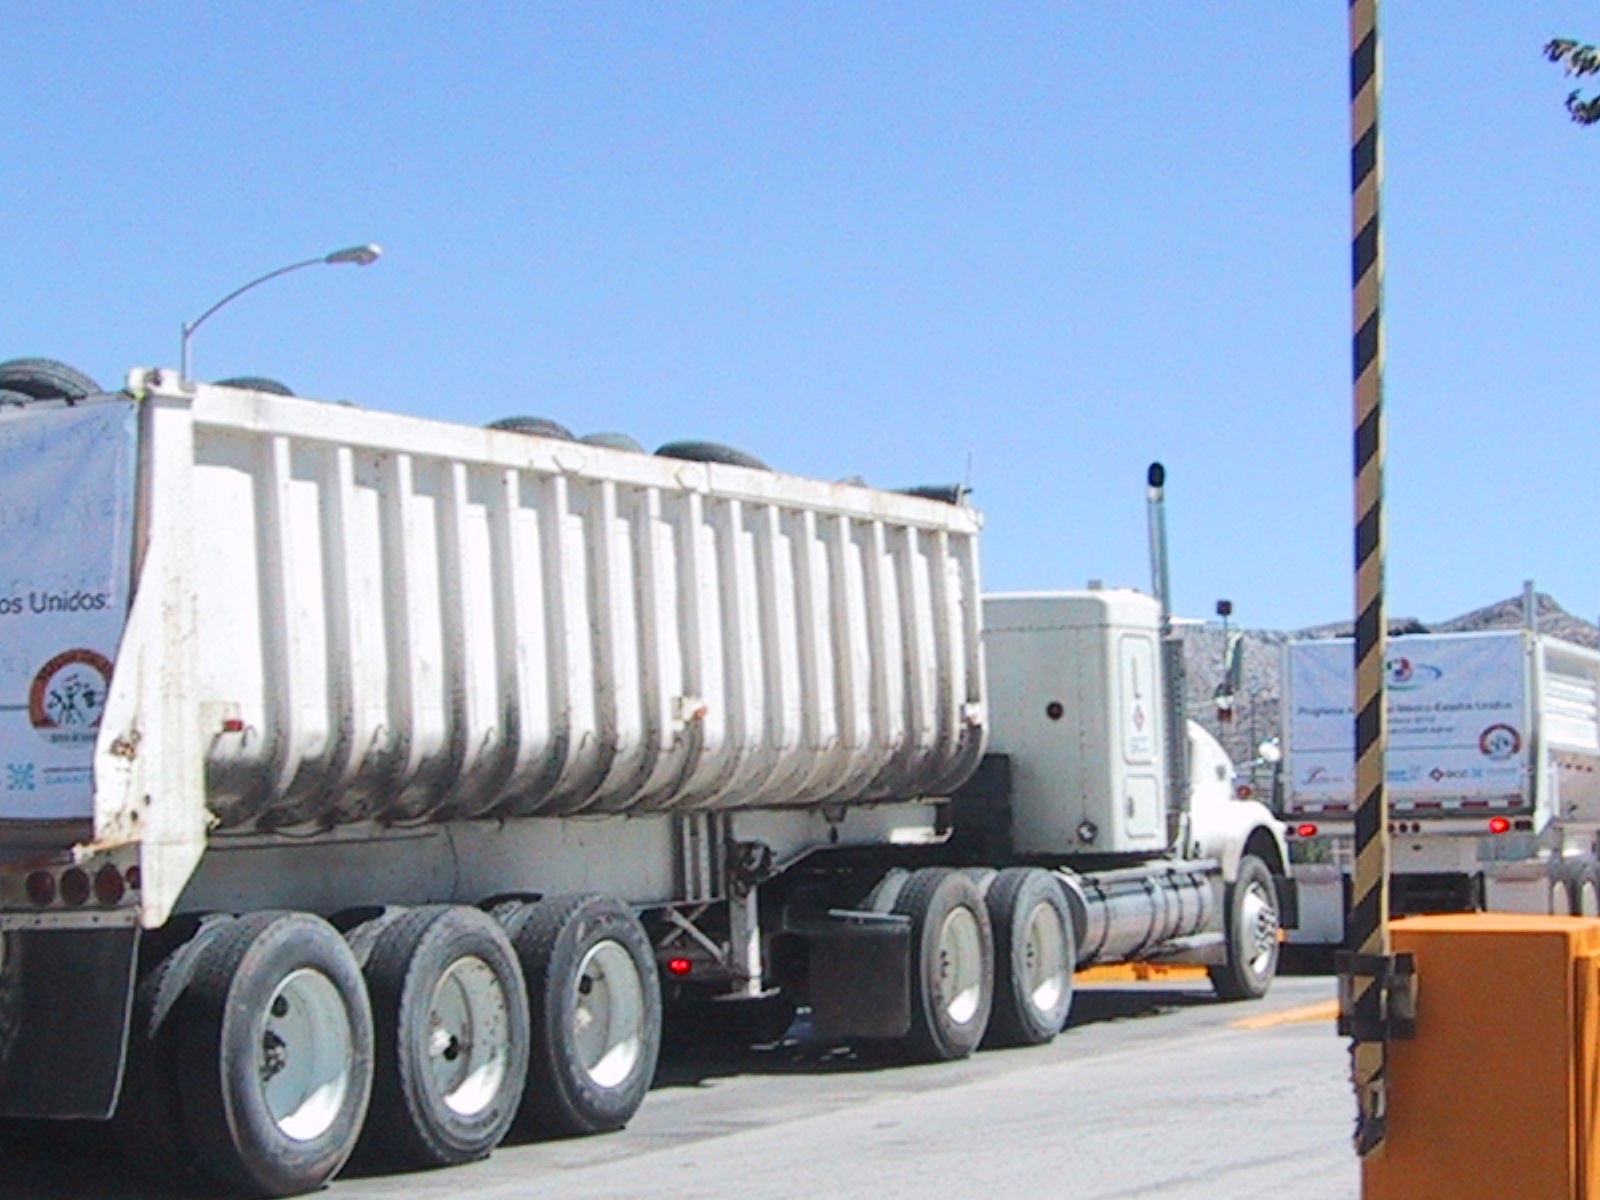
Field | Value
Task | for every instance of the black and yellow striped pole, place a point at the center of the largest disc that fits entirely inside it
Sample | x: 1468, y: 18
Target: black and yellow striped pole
x: 1368, y: 972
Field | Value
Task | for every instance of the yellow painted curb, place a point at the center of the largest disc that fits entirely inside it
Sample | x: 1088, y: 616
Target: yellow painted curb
x: 1140, y: 973
x: 1326, y: 1010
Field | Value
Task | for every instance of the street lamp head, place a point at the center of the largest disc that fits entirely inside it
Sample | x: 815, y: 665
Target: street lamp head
x: 360, y: 255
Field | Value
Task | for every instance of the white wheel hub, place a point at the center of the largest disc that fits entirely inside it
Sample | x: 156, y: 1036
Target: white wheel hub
x: 608, y: 1014
x: 469, y: 1032
x: 1258, y: 929
x: 304, y: 1054
x: 959, y: 976
x: 1045, y: 968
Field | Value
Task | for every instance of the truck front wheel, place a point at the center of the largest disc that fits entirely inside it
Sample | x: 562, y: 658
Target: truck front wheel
x: 275, y: 1049
x: 1251, y: 917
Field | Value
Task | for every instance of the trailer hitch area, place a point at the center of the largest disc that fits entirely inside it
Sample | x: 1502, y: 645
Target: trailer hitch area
x: 749, y: 865
x: 1393, y: 977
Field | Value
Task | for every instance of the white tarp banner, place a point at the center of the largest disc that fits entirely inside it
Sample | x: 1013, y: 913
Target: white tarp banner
x: 1458, y: 718
x: 66, y: 535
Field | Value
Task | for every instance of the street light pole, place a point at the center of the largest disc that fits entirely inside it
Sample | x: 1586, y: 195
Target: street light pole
x: 361, y: 256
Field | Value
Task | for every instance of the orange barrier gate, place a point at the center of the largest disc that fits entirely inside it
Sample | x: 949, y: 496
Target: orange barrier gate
x: 1498, y: 1093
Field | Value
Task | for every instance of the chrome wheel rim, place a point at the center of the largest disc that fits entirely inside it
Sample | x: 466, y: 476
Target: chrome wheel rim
x: 1258, y: 928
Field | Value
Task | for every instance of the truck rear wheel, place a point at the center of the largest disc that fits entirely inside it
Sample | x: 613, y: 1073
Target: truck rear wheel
x: 952, y: 964
x: 148, y: 1124
x: 595, y: 1012
x: 1251, y: 916
x: 1561, y: 898
x: 1034, y: 955
x: 275, y: 1053
x: 1586, y: 896
x: 450, y: 1017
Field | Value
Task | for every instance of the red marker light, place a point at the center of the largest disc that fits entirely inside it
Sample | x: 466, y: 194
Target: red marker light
x: 108, y: 886
x: 75, y: 886
x: 1244, y: 791
x: 679, y: 966
x: 1306, y: 830
x: 41, y: 886
x: 1499, y: 825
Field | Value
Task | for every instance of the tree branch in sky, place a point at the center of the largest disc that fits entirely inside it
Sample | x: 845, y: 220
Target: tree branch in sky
x: 1577, y: 60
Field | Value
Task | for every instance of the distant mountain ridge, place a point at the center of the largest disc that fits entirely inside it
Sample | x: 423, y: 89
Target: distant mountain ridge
x: 1258, y: 702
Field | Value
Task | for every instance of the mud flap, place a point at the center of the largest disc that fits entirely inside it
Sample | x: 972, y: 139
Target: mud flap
x: 860, y: 974
x: 65, y: 1000
x: 1288, y: 897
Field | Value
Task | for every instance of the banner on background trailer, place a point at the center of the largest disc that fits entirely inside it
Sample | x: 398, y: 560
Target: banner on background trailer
x: 66, y: 536
x: 1458, y: 718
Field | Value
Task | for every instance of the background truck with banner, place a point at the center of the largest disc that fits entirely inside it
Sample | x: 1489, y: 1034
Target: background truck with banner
x: 1493, y: 775
x: 386, y: 783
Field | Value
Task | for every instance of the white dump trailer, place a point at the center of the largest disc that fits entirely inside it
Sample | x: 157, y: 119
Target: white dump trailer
x: 378, y: 782
x: 1492, y: 775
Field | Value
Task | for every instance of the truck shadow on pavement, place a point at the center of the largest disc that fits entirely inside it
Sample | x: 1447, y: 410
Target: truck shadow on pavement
x: 798, y: 1052
x: 80, y: 1161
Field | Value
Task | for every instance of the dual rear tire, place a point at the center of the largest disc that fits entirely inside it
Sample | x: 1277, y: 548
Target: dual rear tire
x: 264, y: 1045
x: 274, y: 1054
x: 450, y: 1013
x: 988, y: 967
x: 594, y: 1004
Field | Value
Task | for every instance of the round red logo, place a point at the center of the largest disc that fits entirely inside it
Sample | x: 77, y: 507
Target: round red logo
x: 69, y: 692
x: 1499, y: 742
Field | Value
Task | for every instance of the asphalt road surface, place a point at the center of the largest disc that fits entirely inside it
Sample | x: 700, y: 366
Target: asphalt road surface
x: 1155, y: 1091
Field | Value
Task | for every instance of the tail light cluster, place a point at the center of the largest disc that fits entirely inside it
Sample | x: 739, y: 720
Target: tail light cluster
x: 77, y: 887
x: 1495, y: 825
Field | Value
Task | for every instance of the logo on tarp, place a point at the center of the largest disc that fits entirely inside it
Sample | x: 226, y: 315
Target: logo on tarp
x: 1499, y: 742
x: 1406, y: 673
x: 69, y: 695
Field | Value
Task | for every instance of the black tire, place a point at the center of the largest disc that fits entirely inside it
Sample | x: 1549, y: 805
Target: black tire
x: 947, y: 493
x: 46, y: 379
x: 1251, y: 928
x: 711, y: 452
x: 276, y: 997
x: 148, y: 1124
x: 594, y: 1001
x: 952, y: 964
x: 257, y: 383
x: 1563, y: 891
x: 450, y: 1024
x: 1586, y: 890
x: 612, y: 441
x: 536, y: 426
x: 1034, y: 956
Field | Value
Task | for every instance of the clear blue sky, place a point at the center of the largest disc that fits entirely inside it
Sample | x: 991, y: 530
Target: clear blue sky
x: 1054, y: 241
